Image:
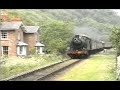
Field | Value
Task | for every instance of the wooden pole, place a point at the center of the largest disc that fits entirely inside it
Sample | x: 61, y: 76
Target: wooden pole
x: 0, y: 42
x: 0, y: 47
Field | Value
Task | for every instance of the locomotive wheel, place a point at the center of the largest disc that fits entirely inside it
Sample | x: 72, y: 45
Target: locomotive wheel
x: 72, y: 56
x: 88, y: 55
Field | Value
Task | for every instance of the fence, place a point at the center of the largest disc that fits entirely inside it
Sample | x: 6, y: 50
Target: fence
x: 118, y: 67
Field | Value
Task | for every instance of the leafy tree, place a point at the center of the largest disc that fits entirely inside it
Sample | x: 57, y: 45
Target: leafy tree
x: 115, y: 39
x: 57, y: 35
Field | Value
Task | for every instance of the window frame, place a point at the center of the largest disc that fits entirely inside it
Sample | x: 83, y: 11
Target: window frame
x: 2, y: 35
x: 39, y: 50
x: 7, y: 50
x: 21, y: 50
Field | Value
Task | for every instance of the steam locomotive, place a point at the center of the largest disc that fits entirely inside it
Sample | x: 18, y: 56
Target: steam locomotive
x: 83, y: 46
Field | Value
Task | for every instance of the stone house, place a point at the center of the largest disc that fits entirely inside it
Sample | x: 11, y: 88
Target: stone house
x: 16, y: 39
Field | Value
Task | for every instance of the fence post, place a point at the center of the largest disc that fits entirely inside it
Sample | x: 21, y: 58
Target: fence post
x: 118, y: 67
x: 0, y: 47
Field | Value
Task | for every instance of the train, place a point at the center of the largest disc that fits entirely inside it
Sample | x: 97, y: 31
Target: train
x: 83, y: 46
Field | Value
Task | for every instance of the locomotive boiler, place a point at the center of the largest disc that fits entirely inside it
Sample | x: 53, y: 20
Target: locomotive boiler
x: 83, y: 46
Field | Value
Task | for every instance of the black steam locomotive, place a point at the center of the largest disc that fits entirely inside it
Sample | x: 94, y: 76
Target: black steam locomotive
x: 83, y: 46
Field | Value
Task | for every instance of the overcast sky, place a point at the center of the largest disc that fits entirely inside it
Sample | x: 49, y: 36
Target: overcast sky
x: 117, y: 10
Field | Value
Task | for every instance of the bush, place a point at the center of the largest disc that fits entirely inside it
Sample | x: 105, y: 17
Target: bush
x: 115, y: 39
x: 33, y: 51
x: 17, y: 64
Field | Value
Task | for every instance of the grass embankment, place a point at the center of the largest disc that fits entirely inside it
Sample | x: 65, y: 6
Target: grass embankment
x: 99, y: 67
x: 17, y: 65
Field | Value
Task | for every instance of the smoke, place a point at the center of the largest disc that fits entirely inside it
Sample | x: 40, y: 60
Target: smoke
x: 90, y: 32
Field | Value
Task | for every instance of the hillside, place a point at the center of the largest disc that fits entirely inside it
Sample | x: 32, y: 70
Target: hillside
x: 97, y: 23
x: 100, y: 19
x: 78, y: 15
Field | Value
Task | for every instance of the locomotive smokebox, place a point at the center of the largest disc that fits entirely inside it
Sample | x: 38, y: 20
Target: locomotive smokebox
x: 78, y: 42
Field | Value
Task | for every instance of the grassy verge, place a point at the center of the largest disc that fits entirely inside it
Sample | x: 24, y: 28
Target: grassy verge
x: 17, y: 65
x: 100, y: 67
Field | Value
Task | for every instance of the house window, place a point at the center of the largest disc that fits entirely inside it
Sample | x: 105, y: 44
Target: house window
x: 39, y: 50
x: 4, y: 34
x: 21, y: 50
x: 5, y: 50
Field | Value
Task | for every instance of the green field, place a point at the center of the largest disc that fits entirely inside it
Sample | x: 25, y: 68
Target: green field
x: 100, y: 67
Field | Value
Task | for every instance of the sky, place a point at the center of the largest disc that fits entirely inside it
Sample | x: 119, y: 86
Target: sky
x: 117, y: 10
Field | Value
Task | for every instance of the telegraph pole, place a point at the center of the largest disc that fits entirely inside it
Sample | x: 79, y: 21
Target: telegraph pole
x: 0, y: 46
x: 0, y: 40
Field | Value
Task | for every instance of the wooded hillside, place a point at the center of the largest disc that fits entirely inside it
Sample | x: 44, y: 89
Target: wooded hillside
x: 59, y: 25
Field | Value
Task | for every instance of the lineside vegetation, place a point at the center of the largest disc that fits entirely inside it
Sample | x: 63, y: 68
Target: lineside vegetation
x: 18, y: 65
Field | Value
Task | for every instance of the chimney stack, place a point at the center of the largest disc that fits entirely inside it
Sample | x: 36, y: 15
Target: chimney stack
x: 16, y: 18
x: 4, y: 15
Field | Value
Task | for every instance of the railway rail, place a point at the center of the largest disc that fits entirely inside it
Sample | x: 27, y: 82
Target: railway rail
x: 41, y: 73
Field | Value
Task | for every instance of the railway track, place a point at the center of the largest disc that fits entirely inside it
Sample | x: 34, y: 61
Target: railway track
x: 42, y: 73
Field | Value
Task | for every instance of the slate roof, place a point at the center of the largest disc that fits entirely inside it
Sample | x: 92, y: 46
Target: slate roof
x: 16, y: 25
x: 10, y: 25
x: 20, y: 43
x: 39, y: 44
x: 31, y: 29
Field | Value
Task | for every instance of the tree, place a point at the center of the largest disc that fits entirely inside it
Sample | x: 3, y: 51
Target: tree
x: 56, y: 36
x: 115, y: 39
